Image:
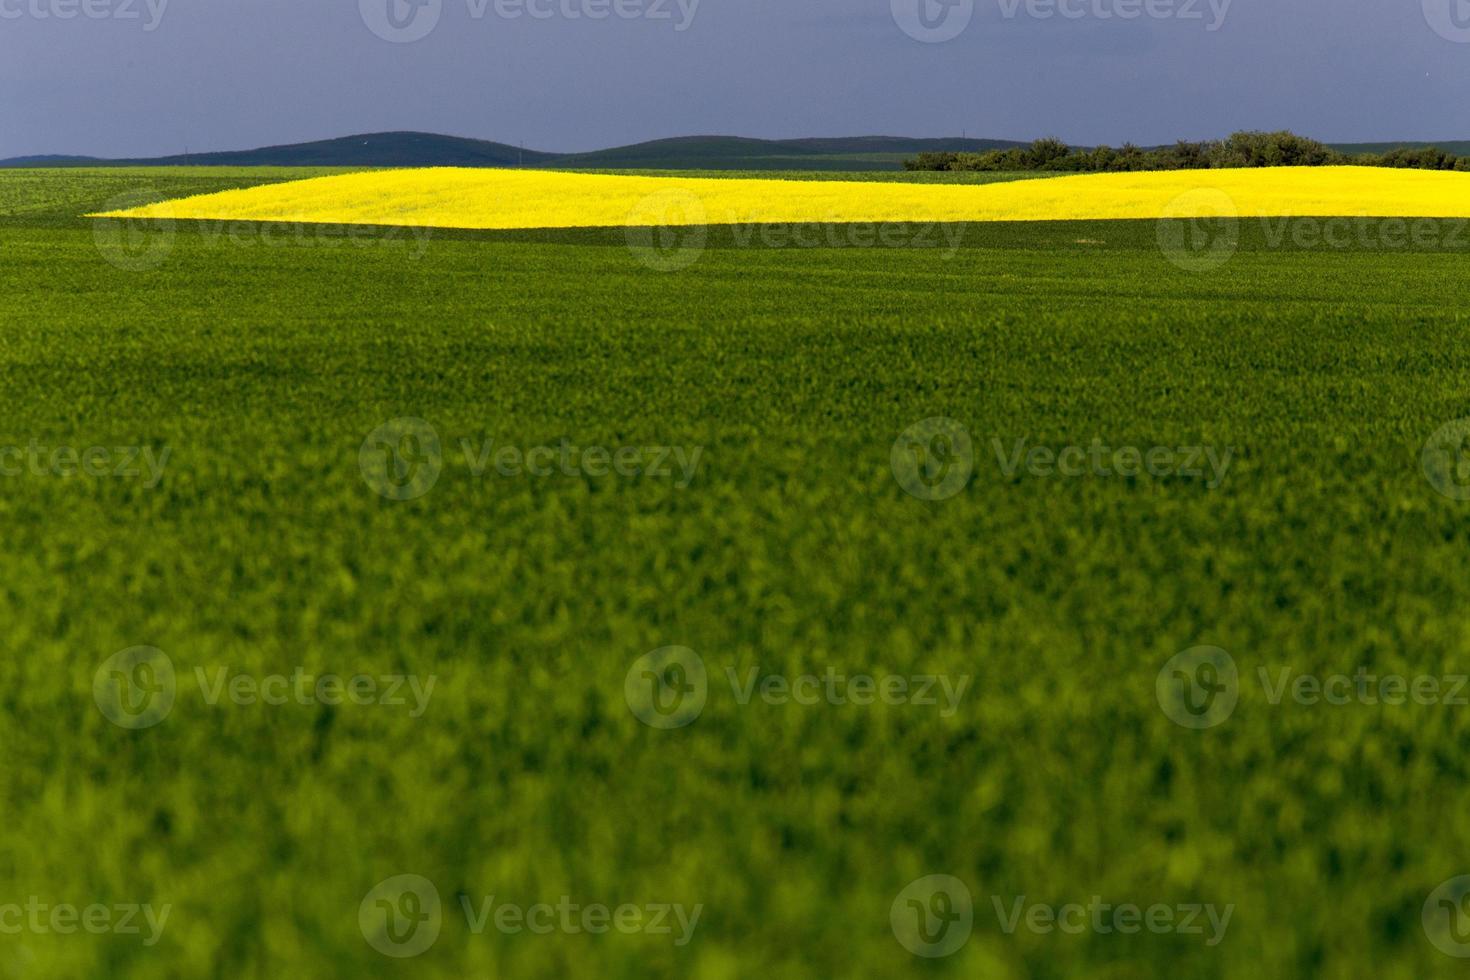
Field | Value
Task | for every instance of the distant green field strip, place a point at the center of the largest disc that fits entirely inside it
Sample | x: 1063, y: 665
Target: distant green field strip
x: 70, y: 193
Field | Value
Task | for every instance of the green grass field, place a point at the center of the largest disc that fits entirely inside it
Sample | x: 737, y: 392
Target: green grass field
x: 253, y: 364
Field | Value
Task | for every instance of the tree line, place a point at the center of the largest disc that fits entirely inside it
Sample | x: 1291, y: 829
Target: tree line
x: 1244, y: 149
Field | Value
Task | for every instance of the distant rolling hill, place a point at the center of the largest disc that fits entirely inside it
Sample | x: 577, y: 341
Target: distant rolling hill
x: 742, y: 153
x: 431, y: 150
x: 368, y: 150
x: 52, y: 161
x: 681, y: 153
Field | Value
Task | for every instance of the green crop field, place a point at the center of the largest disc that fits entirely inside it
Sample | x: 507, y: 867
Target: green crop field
x: 489, y: 474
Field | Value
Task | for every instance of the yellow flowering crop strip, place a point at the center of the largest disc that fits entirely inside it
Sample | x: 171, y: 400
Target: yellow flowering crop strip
x: 504, y: 199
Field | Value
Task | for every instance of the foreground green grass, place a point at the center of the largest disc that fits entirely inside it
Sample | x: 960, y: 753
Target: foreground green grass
x: 262, y: 361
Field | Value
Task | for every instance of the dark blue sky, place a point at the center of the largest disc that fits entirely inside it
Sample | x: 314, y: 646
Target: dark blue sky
x: 581, y: 74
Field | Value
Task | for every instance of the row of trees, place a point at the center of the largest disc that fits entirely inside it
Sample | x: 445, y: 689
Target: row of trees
x: 1245, y: 149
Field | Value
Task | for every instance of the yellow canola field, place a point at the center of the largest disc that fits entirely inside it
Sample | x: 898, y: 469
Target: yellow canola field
x: 478, y: 198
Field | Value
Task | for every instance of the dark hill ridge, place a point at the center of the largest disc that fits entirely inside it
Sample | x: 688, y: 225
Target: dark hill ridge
x: 367, y: 150
x: 899, y: 144
x: 408, y: 149
x: 431, y: 150
x: 374, y: 150
x: 738, y: 152
x: 52, y: 161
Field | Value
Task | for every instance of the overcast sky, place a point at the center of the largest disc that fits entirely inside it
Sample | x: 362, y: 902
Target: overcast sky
x: 147, y: 77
